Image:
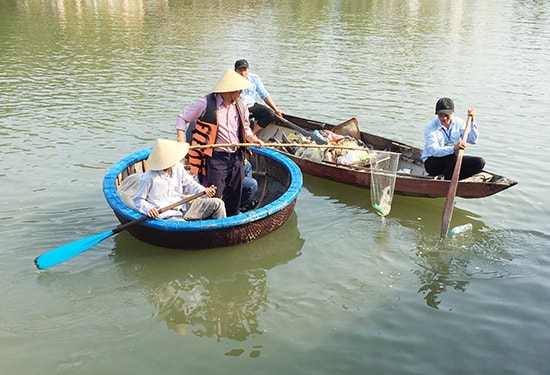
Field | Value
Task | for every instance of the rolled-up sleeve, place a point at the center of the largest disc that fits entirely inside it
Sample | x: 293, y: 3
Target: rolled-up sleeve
x: 191, y: 114
x: 473, y: 134
x: 260, y: 88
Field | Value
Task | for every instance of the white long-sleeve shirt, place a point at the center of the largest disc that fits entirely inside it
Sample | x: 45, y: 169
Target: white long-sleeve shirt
x: 159, y: 189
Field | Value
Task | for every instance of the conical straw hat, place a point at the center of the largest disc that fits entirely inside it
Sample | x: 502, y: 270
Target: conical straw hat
x: 166, y: 154
x: 231, y: 81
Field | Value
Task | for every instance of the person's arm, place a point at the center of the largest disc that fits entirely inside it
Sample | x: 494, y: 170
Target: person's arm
x: 181, y: 127
x: 273, y: 106
x: 253, y: 139
x: 264, y: 94
x: 248, y: 133
x: 191, y: 186
x: 210, y: 191
x: 140, y: 197
x: 180, y: 133
x: 189, y: 115
x: 188, y: 184
x: 473, y: 134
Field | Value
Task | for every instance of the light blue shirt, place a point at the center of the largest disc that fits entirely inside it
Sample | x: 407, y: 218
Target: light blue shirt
x: 439, y: 141
x: 249, y: 94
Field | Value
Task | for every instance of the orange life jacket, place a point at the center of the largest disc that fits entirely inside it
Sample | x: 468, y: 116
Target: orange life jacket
x: 205, y: 133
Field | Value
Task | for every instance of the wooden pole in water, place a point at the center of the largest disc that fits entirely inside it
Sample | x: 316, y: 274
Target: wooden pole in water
x: 450, y: 200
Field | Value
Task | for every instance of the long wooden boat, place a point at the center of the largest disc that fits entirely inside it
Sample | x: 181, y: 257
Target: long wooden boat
x: 279, y: 183
x: 411, y: 177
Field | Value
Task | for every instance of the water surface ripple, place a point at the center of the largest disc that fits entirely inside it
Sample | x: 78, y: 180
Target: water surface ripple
x: 337, y: 289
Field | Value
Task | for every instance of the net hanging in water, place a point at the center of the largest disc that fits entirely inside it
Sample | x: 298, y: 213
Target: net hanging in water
x: 383, y: 174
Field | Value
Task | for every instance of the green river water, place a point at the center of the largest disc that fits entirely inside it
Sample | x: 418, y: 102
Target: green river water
x: 337, y: 290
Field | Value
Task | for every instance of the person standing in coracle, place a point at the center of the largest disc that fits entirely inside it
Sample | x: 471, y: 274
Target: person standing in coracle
x: 221, y: 118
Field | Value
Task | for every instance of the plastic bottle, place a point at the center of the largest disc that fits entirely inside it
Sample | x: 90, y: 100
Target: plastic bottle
x: 461, y: 228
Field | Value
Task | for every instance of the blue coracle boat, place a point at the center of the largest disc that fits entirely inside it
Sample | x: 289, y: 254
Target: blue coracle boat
x: 279, y: 183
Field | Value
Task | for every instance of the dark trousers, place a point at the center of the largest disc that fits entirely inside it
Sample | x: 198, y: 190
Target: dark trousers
x: 445, y: 165
x: 225, y: 170
x: 250, y: 186
x: 262, y: 114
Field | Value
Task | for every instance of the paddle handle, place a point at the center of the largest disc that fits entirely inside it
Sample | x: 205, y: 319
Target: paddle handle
x: 317, y: 139
x: 275, y: 145
x: 70, y: 250
x: 450, y: 199
x: 125, y: 226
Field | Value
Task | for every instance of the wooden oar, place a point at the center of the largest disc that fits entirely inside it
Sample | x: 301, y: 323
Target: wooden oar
x: 450, y: 200
x: 70, y: 250
x: 275, y: 145
x: 316, y: 138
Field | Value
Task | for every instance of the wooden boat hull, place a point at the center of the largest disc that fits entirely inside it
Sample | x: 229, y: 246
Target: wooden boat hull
x: 279, y: 183
x: 415, y: 183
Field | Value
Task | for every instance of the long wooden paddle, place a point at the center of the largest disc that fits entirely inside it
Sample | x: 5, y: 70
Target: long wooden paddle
x: 275, y: 145
x: 70, y: 250
x: 316, y: 138
x: 450, y: 200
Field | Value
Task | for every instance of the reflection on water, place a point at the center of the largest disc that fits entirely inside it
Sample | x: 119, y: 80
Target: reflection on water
x: 217, y: 293
x: 452, y: 263
x: 213, y: 309
x: 438, y: 271
x: 440, y: 264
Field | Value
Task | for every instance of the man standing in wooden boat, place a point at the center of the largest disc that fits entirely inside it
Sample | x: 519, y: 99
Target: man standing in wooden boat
x: 166, y: 180
x: 221, y: 118
x: 259, y: 113
x: 443, y: 139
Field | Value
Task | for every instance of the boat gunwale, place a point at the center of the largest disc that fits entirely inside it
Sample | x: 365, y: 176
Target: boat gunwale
x: 129, y: 213
x: 468, y: 189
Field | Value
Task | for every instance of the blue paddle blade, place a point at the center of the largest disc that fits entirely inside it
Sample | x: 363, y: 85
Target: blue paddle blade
x: 70, y: 250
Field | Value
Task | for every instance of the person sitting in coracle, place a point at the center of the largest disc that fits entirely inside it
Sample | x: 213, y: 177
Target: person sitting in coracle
x: 250, y: 185
x: 166, y: 180
x: 443, y: 140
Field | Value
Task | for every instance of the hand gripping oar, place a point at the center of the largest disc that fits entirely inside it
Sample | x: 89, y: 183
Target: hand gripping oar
x: 70, y: 250
x: 450, y: 200
x: 315, y: 137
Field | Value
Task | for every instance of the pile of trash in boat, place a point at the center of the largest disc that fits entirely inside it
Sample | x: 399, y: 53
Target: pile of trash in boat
x: 341, y: 149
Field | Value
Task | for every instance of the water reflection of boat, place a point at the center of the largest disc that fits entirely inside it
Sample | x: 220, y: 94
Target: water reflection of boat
x: 411, y: 177
x: 212, y: 293
x: 279, y: 183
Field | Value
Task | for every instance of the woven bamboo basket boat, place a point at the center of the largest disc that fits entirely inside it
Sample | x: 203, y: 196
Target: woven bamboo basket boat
x: 279, y: 183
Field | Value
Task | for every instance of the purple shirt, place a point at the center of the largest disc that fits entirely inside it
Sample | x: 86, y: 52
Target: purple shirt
x: 227, y: 118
